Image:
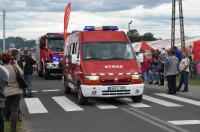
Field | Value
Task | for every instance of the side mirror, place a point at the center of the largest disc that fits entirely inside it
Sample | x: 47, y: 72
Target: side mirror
x: 74, y: 59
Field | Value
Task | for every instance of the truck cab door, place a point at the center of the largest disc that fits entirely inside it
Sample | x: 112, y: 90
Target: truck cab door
x: 66, y: 54
x: 74, y: 62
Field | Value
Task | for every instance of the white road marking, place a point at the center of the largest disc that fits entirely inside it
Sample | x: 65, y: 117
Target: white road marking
x: 105, y: 106
x: 35, y: 106
x: 139, y: 105
x: 130, y: 103
x: 51, y: 90
x: 67, y: 104
x: 185, y: 122
x: 154, y: 120
x: 161, y: 102
x: 34, y: 91
x: 181, y: 99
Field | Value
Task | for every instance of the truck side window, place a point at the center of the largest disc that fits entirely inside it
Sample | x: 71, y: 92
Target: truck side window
x: 77, y: 49
x: 73, y: 48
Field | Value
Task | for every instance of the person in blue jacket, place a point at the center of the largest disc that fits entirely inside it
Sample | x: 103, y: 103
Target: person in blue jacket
x: 178, y: 53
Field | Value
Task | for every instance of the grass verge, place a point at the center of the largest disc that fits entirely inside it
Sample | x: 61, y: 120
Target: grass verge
x: 20, y: 127
x: 192, y: 81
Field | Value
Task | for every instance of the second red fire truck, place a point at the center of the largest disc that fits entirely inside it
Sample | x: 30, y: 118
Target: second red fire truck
x: 49, y: 52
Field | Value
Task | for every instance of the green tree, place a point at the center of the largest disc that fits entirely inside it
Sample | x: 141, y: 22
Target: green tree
x: 149, y: 37
x: 134, y: 36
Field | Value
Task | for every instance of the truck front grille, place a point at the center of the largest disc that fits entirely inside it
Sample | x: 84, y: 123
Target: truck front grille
x: 118, y: 82
x: 117, y: 92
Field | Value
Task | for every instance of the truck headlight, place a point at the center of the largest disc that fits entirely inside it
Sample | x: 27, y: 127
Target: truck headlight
x: 92, y: 78
x: 48, y: 65
x: 136, y: 79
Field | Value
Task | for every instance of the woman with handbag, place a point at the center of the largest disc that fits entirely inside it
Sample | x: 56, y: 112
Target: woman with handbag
x: 13, y: 92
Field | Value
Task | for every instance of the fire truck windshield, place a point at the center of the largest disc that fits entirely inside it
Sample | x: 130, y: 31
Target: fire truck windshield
x: 107, y: 51
x: 56, y: 45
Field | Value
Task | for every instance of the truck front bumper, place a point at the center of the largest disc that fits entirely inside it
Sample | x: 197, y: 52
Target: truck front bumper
x: 56, y: 71
x: 105, y: 91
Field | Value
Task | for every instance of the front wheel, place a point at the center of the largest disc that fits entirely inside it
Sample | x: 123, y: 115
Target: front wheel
x: 137, y: 99
x: 39, y: 73
x: 81, y: 99
x: 46, y: 75
x: 67, y: 88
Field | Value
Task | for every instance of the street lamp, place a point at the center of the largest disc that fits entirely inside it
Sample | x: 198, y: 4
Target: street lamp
x: 129, y: 24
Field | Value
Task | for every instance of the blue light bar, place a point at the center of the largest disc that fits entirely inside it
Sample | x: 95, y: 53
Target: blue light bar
x: 92, y: 28
x: 55, y: 58
x: 89, y: 28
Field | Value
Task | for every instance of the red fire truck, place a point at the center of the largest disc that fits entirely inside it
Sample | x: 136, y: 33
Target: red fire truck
x: 49, y: 54
x: 100, y: 62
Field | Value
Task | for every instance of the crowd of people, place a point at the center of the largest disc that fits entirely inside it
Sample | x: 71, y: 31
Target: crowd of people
x: 160, y: 65
x: 13, y: 63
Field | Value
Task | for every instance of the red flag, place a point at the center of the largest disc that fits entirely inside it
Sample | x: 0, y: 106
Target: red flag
x: 66, y: 20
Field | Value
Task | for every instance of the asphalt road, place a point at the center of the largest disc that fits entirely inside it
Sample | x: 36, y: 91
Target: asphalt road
x: 50, y: 110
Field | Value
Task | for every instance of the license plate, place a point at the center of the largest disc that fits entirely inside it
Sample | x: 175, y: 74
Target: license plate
x: 116, y: 88
x: 56, y: 62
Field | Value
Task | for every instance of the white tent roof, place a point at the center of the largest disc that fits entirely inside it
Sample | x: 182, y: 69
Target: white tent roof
x: 166, y: 43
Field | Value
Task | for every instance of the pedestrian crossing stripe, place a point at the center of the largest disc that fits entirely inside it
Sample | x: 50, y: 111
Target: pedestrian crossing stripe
x: 160, y: 102
x: 105, y: 106
x: 135, y: 105
x: 185, y: 122
x: 51, y: 90
x: 35, y: 106
x: 67, y: 104
x: 181, y: 99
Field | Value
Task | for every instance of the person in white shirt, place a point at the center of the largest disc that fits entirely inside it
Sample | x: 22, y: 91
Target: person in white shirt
x: 184, y: 71
x: 140, y: 58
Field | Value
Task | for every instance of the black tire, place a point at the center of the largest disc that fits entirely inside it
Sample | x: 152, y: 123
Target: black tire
x: 46, y: 75
x: 39, y: 73
x: 81, y: 99
x: 137, y: 99
x: 67, y: 88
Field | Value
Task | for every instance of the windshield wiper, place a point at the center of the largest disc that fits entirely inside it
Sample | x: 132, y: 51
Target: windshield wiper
x: 116, y: 58
x: 92, y: 58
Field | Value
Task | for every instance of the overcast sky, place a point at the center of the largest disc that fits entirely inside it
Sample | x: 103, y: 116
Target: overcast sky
x: 33, y: 18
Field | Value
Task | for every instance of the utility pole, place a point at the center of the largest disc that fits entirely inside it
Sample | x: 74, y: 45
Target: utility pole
x: 181, y: 18
x: 182, y: 32
x: 173, y: 23
x: 4, y: 31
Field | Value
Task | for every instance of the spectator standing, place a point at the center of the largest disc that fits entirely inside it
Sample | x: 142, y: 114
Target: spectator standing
x: 154, y: 67
x: 178, y: 53
x: 170, y: 71
x: 161, y: 69
x: 163, y: 51
x: 145, y: 69
x: 16, y: 57
x: 140, y: 58
x: 13, y: 92
x: 184, y: 69
x: 28, y: 71
x: 4, y: 76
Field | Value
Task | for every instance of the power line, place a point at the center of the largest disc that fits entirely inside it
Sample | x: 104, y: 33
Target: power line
x: 44, y: 19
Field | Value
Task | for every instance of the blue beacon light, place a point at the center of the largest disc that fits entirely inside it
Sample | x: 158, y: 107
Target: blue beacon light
x: 89, y: 28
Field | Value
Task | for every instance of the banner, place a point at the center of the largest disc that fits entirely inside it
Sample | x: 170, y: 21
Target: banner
x: 66, y: 20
